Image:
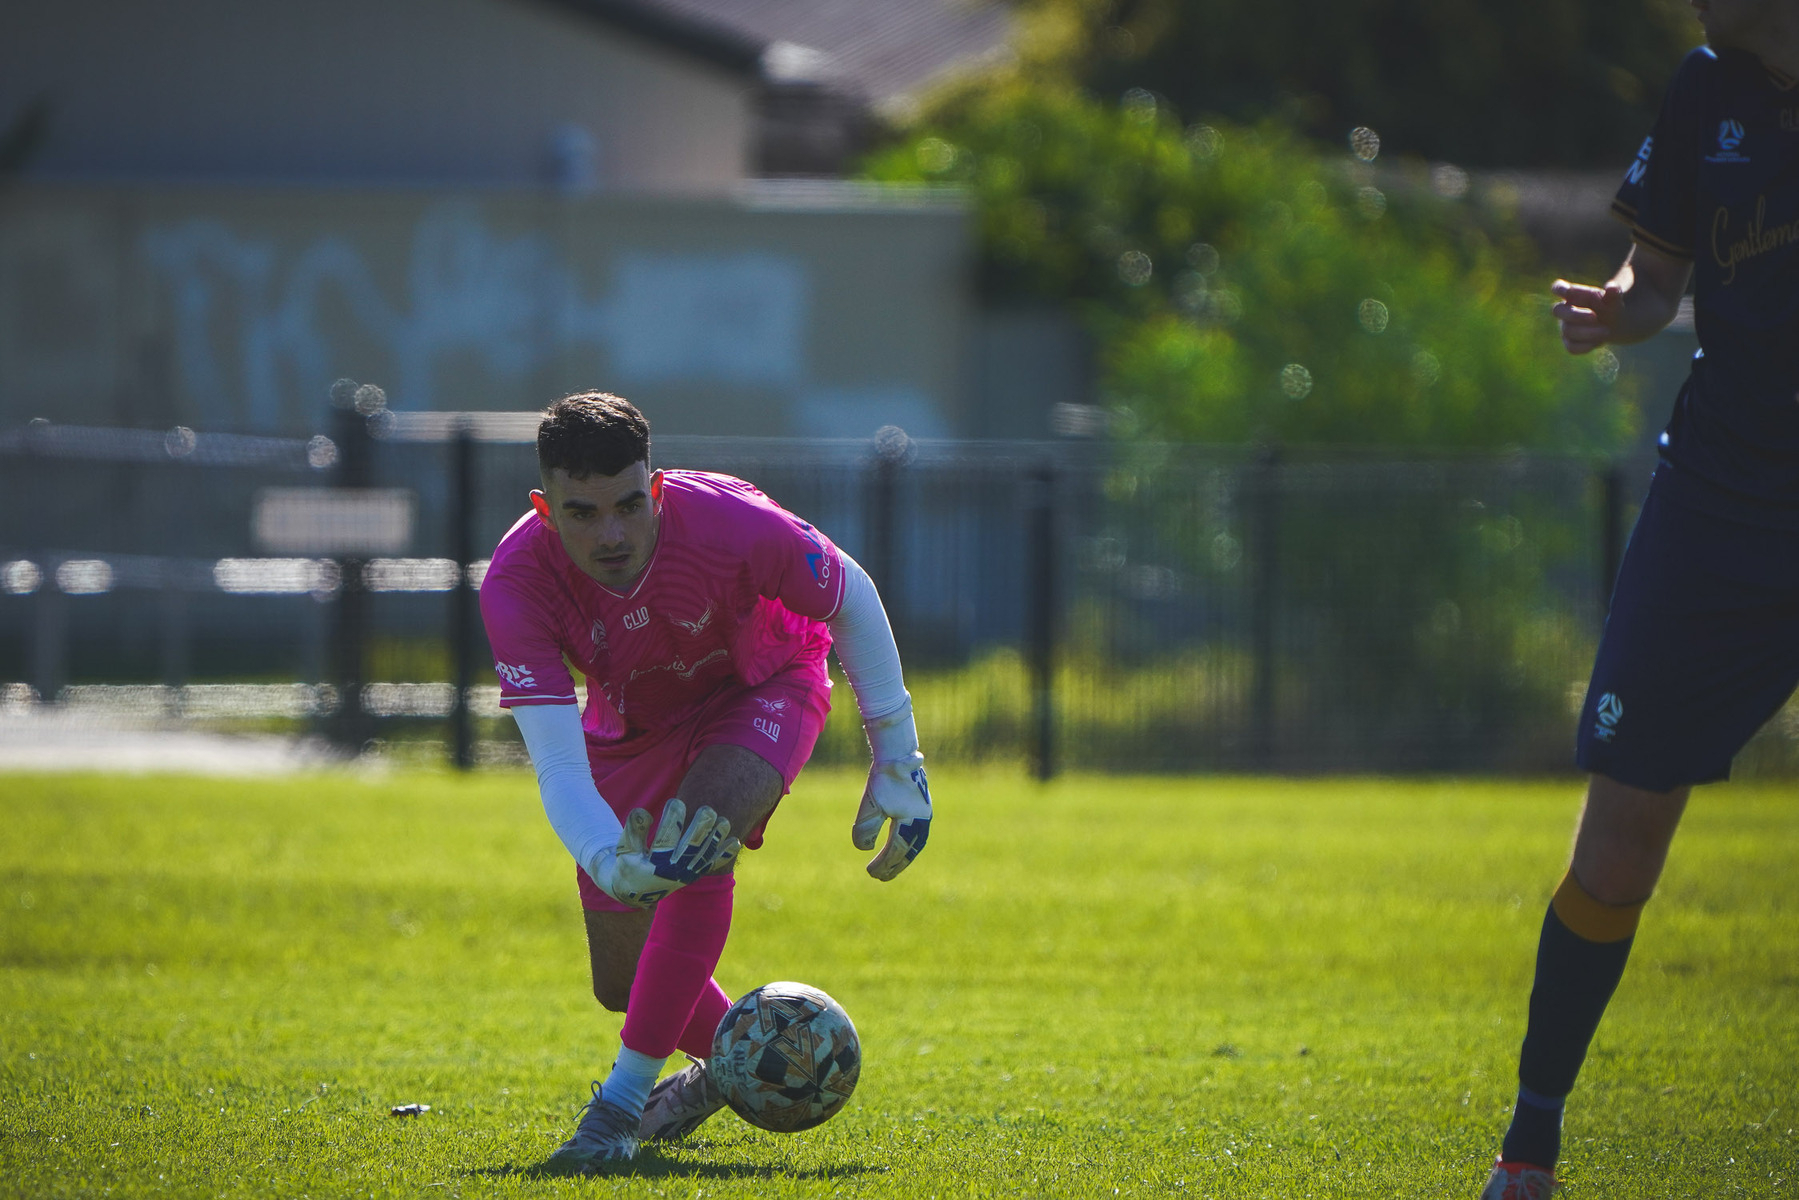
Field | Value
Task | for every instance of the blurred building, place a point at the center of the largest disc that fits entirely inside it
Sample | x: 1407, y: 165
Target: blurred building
x: 420, y: 93
x: 579, y: 95
x: 210, y: 209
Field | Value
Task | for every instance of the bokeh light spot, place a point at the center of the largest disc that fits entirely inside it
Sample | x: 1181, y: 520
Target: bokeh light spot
x: 1204, y: 141
x: 935, y: 156
x: 1372, y: 315
x: 1605, y: 364
x: 1296, y: 381
x: 1449, y: 181
x: 1135, y: 268
x: 1140, y: 106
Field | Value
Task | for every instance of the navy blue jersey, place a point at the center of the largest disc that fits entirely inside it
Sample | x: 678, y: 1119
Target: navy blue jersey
x: 1717, y: 182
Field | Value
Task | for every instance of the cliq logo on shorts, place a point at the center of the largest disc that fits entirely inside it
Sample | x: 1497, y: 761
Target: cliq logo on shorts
x: 767, y: 728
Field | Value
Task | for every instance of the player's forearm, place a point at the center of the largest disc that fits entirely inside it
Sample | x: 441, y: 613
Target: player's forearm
x: 1643, y: 313
x: 864, y: 643
x: 580, y: 816
x: 1650, y: 290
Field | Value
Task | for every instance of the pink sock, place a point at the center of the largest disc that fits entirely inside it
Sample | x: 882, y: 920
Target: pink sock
x: 674, y: 974
x: 696, y: 1039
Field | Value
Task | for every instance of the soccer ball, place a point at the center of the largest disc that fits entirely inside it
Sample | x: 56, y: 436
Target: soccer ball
x: 786, y: 1057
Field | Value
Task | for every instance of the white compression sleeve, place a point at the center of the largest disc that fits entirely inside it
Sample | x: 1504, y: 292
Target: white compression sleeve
x: 577, y: 812
x: 865, y: 646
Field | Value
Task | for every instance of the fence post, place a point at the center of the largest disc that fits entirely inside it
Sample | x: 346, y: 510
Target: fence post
x: 50, y: 638
x: 1264, y: 516
x: 173, y: 598
x: 349, y: 632
x: 1611, y: 533
x: 1040, y: 620
x: 893, y: 450
x: 883, y: 483
x: 462, y: 595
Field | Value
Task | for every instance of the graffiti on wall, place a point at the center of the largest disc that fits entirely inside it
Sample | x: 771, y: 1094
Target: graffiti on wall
x: 255, y: 330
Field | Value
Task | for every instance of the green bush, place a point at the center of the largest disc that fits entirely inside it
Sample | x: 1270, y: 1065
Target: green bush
x: 1243, y: 286
x: 1246, y: 288
x: 1528, y: 83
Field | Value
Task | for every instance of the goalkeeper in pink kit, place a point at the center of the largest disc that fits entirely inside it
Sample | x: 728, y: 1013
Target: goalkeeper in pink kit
x: 700, y: 614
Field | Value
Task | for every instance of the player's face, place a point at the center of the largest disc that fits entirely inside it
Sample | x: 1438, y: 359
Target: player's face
x: 1736, y: 24
x: 607, y: 522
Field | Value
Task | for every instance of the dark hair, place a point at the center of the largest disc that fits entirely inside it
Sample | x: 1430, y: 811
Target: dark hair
x: 592, y: 433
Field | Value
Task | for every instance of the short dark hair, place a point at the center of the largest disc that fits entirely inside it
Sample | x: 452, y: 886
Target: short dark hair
x: 592, y: 433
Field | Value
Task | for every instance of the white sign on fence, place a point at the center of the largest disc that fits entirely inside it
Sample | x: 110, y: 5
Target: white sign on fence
x: 355, y: 521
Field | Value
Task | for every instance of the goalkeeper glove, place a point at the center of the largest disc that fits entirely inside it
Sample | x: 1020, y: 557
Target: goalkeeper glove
x: 639, y: 874
x: 896, y: 792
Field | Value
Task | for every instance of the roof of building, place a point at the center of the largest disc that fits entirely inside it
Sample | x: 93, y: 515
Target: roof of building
x: 692, y: 32
x: 885, y: 50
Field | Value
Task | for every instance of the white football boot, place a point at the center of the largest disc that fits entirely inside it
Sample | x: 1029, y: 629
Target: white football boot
x: 1518, y: 1181
x: 606, y: 1134
x: 680, y: 1104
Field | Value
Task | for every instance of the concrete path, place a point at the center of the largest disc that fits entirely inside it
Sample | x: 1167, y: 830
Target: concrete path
x: 43, y: 738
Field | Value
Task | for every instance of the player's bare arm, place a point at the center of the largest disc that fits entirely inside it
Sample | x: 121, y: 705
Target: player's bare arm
x: 1634, y: 305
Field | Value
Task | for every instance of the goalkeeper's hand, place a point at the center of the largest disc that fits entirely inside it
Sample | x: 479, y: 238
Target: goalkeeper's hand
x: 638, y: 873
x: 896, y: 792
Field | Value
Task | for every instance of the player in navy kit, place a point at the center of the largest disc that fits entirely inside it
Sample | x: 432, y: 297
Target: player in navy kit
x: 1702, y: 643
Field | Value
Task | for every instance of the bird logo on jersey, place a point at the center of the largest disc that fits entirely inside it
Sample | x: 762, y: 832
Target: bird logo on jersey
x: 695, y: 627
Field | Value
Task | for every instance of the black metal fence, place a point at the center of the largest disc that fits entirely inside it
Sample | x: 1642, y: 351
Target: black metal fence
x: 1067, y: 604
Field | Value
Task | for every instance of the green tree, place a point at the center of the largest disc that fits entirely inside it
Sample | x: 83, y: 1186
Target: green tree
x: 1528, y: 83
x: 1243, y: 286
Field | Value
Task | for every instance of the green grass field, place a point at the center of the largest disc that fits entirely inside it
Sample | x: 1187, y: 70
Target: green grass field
x: 1142, y: 986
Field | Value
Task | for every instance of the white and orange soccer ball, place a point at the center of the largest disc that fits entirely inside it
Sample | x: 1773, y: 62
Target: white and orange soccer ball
x: 786, y: 1057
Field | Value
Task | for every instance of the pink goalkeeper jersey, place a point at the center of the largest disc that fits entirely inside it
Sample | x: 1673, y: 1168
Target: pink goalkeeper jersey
x: 737, y: 589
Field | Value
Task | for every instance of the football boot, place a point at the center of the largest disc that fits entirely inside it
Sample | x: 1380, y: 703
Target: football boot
x: 680, y: 1104
x: 606, y: 1134
x: 1518, y: 1181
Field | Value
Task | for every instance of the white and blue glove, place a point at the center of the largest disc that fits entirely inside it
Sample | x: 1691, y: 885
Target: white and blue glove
x: 639, y: 872
x: 896, y: 792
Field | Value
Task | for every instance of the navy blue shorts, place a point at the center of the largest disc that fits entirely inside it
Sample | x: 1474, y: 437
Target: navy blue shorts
x: 1701, y: 648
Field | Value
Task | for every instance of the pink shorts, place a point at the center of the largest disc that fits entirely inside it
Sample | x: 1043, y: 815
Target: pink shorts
x: 778, y: 720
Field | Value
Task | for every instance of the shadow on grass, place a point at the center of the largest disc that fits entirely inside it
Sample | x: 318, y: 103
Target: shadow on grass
x: 651, y: 1165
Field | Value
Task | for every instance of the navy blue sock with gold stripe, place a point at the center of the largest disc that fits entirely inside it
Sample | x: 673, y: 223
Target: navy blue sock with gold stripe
x: 1580, y: 958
